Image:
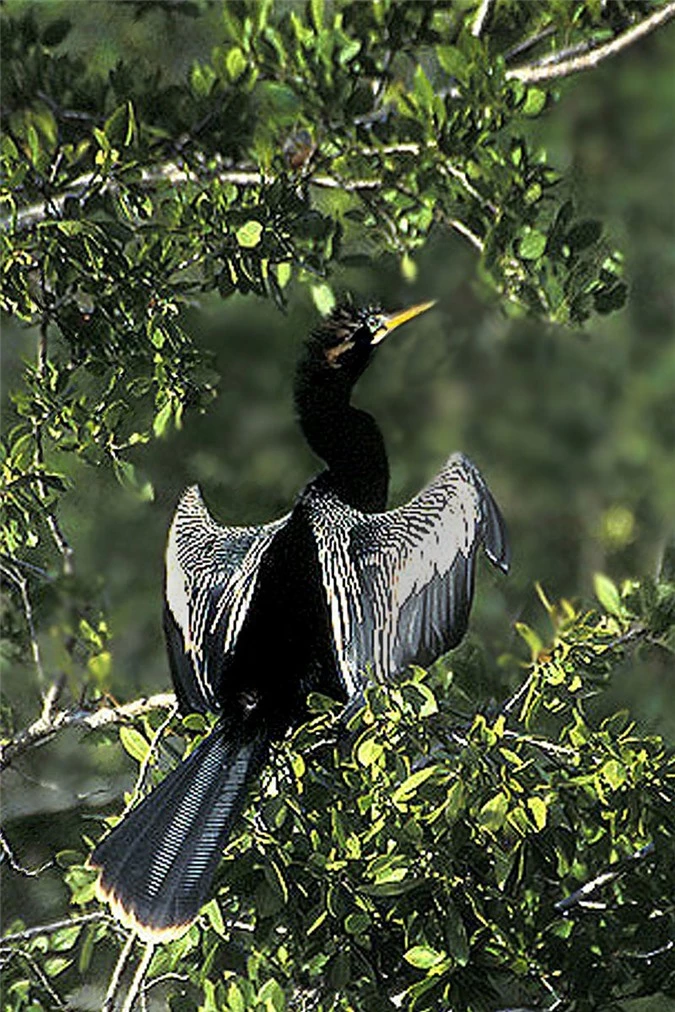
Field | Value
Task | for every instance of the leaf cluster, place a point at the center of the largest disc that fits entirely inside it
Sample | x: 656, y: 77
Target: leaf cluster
x: 419, y: 851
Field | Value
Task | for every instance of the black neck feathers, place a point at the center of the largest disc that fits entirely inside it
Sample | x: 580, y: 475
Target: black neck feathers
x: 347, y: 439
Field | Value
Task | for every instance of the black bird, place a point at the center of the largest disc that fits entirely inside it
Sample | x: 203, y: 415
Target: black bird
x: 256, y: 617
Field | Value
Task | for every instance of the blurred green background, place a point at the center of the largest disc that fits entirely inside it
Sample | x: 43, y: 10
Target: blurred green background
x: 575, y: 432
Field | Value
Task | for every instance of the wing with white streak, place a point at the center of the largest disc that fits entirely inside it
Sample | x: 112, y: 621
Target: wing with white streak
x: 400, y: 584
x: 210, y: 575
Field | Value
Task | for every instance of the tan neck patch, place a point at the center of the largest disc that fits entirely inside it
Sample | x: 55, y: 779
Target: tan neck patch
x: 333, y: 354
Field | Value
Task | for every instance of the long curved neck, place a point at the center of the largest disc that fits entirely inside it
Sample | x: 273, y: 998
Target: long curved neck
x: 348, y: 440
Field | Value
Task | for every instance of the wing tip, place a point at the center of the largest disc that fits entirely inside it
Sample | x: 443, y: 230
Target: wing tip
x: 496, y: 539
x: 495, y: 536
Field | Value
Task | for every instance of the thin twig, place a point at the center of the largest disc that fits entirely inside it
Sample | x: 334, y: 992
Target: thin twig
x: 582, y: 895
x: 21, y: 583
x: 40, y: 975
x: 113, y: 986
x: 649, y: 956
x: 561, y: 751
x: 42, y: 730
x: 534, y: 40
x: 170, y: 975
x: 16, y: 865
x: 530, y: 73
x: 57, y: 534
x: 147, y: 758
x: 52, y: 696
x: 139, y: 976
x: 48, y: 929
x: 481, y: 16
x: 513, y: 701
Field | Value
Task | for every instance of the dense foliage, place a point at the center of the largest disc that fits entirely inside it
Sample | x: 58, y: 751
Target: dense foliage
x: 455, y: 846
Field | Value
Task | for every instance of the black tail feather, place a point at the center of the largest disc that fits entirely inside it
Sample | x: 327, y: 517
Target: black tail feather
x: 157, y: 865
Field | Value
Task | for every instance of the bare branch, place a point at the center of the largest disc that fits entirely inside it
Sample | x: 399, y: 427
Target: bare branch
x: 57, y: 534
x: 147, y: 759
x: 113, y: 986
x: 21, y: 583
x: 242, y: 177
x: 582, y: 896
x: 15, y: 865
x: 48, y: 929
x: 39, y: 974
x: 44, y: 729
x: 530, y: 73
x: 139, y: 976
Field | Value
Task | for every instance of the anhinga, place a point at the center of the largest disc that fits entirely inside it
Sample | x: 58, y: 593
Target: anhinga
x: 257, y: 617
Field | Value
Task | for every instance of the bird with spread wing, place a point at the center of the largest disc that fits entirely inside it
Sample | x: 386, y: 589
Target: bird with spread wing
x: 336, y: 591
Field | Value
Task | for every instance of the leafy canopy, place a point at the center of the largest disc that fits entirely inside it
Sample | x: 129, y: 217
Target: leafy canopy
x: 448, y: 850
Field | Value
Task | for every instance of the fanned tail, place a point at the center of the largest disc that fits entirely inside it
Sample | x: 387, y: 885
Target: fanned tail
x: 157, y: 865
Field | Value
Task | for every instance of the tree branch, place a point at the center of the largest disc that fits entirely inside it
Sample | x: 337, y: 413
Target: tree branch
x: 48, y: 929
x: 45, y: 728
x: 15, y: 865
x: 147, y: 759
x: 171, y: 172
x: 139, y: 977
x: 116, y: 976
x: 481, y: 17
x: 582, y: 895
x: 530, y: 73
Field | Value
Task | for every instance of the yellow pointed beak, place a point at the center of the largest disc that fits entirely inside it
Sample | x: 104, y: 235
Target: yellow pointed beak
x: 394, y: 320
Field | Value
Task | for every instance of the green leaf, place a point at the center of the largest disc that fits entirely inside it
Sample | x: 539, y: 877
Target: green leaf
x: 408, y: 267
x: 423, y: 957
x: 125, y: 472
x: 607, y: 594
x: 493, y: 813
x: 535, y: 102
x: 422, y: 87
x: 538, y: 810
x: 236, y: 64
x: 453, y: 61
x: 284, y: 272
x: 248, y: 235
x: 100, y: 666
x: 67, y: 858
x: 134, y: 743
x: 614, y: 773
x: 214, y: 916
x: 195, y: 722
x: 55, y: 32
x: 369, y: 751
x: 323, y: 298
x: 162, y: 419
x: 235, y: 999
x: 357, y: 923
x: 583, y: 234
x: 531, y: 638
x: 532, y: 244
x: 410, y: 785
x: 316, y: 8
x: 455, y: 934
x: 65, y: 938
x: 56, y: 965
x: 271, y: 996
x: 120, y: 127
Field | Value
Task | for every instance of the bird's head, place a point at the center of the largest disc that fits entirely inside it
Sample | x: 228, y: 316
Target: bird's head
x: 347, y: 338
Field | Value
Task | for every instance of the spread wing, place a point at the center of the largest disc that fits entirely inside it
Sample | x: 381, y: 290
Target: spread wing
x: 399, y: 585
x: 210, y: 576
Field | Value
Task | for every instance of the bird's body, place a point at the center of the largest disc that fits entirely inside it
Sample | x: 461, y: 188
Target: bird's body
x: 258, y: 617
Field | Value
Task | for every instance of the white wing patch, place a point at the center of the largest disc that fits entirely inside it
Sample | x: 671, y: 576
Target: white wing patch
x: 399, y: 584
x: 210, y: 578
